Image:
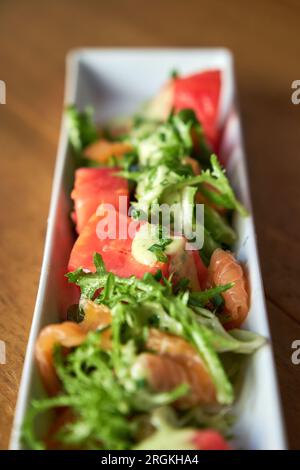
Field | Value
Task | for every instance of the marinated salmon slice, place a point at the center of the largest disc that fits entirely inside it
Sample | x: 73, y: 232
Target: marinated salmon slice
x: 171, y: 362
x: 176, y: 362
x: 224, y: 269
x: 102, y: 150
x: 68, y: 335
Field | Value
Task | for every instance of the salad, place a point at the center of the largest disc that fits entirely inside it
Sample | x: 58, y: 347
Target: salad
x: 151, y: 354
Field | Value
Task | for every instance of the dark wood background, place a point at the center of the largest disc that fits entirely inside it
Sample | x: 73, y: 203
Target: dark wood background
x: 34, y: 39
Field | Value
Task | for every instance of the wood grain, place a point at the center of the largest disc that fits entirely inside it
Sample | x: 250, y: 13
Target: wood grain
x: 34, y: 39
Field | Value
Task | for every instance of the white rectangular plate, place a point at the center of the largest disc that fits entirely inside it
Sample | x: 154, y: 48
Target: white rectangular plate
x: 114, y: 82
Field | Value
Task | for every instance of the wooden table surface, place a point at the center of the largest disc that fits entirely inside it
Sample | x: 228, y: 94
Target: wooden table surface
x: 34, y: 39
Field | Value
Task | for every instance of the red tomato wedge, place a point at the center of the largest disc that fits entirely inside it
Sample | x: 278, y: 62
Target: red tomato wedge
x: 201, y: 92
x: 115, y: 251
x: 95, y: 186
x: 188, y: 264
x: 209, y: 439
x: 201, y: 269
x: 115, y: 247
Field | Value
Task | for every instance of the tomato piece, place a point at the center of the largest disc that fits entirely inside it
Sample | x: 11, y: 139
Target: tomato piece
x: 201, y: 269
x: 103, y: 177
x: 111, y: 234
x: 115, y: 251
x: 95, y: 186
x: 201, y: 92
x: 209, y: 439
x: 182, y: 265
x: 186, y: 263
